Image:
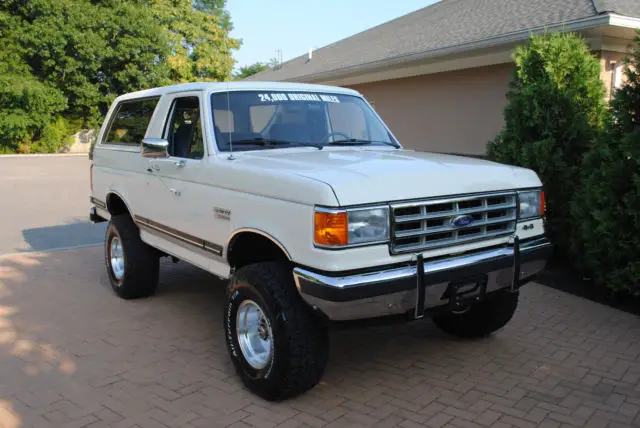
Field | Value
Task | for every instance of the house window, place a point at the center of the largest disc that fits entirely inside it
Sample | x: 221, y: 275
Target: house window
x: 618, y: 70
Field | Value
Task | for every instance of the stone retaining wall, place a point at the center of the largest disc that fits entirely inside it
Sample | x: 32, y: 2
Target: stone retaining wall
x: 82, y: 141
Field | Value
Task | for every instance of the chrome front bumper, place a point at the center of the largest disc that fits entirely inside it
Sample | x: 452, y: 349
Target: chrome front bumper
x: 403, y: 290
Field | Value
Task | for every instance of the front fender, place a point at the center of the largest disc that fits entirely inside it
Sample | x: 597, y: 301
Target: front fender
x: 271, y: 238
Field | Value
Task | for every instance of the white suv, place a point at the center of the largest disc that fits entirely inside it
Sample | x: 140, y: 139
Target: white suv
x: 304, y: 200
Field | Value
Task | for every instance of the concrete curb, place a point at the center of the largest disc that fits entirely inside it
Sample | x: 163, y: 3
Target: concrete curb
x: 42, y: 155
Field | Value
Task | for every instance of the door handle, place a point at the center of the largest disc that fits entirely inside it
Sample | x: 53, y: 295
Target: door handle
x: 180, y: 164
x: 175, y: 192
x: 153, y: 167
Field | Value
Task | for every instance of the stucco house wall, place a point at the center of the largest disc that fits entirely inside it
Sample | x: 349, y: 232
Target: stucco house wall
x: 450, y: 112
x: 458, y: 111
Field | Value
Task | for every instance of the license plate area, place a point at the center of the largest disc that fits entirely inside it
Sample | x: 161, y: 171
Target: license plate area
x: 465, y: 292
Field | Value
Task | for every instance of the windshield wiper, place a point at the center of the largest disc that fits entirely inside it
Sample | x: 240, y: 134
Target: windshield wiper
x: 358, y: 142
x: 261, y: 141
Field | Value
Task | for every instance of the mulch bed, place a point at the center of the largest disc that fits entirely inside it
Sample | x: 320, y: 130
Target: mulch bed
x: 558, y: 276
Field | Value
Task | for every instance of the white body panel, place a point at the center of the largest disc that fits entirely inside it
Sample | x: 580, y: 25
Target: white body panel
x: 364, y: 175
x: 274, y: 191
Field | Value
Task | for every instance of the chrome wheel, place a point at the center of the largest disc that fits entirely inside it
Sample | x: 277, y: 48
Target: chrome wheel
x: 254, y: 334
x: 116, y: 258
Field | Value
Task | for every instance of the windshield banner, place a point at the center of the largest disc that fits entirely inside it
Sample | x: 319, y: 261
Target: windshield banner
x: 289, y: 96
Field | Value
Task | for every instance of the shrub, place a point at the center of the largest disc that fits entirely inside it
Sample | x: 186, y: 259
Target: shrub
x: 27, y: 109
x: 54, y: 136
x: 606, y: 208
x: 555, y: 108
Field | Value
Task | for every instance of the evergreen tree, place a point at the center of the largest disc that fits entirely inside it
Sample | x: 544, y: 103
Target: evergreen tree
x: 606, y: 208
x: 555, y: 108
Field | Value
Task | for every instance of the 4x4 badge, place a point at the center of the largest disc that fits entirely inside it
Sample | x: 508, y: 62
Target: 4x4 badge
x: 222, y: 212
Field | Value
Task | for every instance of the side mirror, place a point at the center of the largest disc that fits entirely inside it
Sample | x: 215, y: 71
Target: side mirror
x: 155, y: 148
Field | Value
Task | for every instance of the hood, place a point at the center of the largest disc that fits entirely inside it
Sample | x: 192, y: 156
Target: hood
x: 364, y: 175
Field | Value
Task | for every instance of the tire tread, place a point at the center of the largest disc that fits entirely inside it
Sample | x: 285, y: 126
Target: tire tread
x: 142, y: 261
x: 482, y: 319
x: 307, y: 339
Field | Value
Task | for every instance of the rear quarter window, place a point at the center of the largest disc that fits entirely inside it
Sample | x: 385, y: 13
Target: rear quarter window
x: 130, y: 120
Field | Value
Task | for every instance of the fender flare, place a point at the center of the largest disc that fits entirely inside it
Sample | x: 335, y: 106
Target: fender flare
x: 119, y: 195
x: 257, y: 232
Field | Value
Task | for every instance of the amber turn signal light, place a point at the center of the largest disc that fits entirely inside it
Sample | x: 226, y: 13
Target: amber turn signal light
x: 330, y: 228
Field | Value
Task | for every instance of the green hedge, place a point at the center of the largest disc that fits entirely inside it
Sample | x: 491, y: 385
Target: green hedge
x: 588, y: 157
x: 606, y: 207
x: 555, y: 109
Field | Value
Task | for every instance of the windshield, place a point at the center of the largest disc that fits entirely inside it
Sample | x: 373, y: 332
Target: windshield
x: 258, y: 120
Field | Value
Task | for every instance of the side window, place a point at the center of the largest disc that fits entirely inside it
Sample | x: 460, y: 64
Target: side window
x: 130, y: 121
x: 185, y: 129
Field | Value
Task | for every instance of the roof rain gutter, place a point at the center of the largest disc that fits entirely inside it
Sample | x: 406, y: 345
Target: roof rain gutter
x: 624, y: 21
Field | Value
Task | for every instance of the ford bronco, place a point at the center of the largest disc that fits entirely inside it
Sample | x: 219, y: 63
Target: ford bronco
x: 301, y: 198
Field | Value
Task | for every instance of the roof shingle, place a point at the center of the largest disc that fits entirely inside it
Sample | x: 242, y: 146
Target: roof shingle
x: 443, y: 24
x: 621, y: 7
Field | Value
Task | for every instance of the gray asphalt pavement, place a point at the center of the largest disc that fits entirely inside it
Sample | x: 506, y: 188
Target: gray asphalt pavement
x: 44, y: 204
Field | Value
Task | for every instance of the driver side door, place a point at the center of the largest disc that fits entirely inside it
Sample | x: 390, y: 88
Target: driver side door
x: 182, y: 181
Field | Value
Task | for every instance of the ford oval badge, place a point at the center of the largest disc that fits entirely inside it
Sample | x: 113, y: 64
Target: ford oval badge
x: 462, y: 220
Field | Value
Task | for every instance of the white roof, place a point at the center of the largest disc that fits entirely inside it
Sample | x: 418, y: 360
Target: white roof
x: 235, y: 86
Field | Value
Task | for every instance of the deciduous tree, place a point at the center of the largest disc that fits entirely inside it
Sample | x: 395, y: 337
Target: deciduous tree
x: 251, y: 69
x: 199, y: 42
x: 70, y: 58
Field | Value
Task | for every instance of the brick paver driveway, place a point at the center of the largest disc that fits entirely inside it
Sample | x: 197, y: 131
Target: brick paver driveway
x: 74, y: 355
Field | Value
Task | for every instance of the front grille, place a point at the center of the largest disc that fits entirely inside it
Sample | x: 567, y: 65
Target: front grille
x: 428, y: 224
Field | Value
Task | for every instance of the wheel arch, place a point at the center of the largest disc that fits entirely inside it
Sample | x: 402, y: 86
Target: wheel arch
x: 266, y: 248
x: 116, y: 204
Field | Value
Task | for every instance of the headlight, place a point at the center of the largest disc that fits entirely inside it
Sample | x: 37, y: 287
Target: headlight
x: 532, y: 204
x: 340, y: 228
